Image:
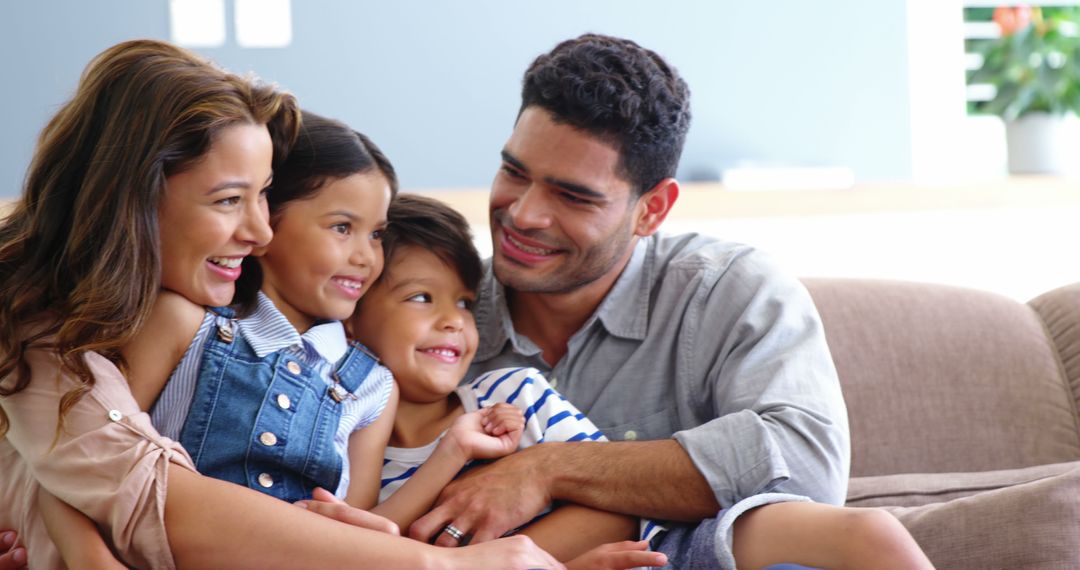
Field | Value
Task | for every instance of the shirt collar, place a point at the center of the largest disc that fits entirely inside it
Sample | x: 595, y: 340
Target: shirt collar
x: 624, y: 312
x: 267, y: 330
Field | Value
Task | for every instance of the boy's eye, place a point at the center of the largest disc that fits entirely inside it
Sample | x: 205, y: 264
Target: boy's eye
x: 420, y: 298
x: 466, y: 304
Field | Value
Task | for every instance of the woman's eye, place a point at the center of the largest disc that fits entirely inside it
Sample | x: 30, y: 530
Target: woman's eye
x: 230, y: 201
x: 420, y: 298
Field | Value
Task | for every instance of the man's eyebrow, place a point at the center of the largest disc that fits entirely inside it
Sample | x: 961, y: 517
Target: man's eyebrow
x: 579, y: 189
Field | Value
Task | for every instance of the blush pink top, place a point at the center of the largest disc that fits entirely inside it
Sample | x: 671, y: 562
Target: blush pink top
x: 108, y: 462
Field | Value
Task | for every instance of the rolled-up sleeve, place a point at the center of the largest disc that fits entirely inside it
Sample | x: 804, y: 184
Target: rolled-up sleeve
x: 107, y: 461
x: 757, y: 349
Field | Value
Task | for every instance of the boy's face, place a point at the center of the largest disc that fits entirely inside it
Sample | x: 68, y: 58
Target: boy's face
x: 418, y: 319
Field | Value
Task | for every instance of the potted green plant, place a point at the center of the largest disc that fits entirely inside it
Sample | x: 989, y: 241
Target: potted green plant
x: 1034, y: 67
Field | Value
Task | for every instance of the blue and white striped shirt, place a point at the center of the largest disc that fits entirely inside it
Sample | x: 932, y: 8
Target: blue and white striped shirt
x: 267, y: 330
x: 548, y: 417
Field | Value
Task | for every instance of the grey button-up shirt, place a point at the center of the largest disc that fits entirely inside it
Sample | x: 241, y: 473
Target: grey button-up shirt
x: 707, y: 342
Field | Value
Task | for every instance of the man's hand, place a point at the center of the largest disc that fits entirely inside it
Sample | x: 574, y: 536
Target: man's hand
x: 618, y: 556
x: 488, y: 501
x: 326, y: 504
x: 11, y: 557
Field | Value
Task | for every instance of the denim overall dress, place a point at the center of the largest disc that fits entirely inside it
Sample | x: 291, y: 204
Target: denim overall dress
x: 268, y: 423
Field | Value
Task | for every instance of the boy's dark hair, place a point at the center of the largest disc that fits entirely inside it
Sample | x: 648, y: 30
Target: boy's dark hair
x: 325, y: 150
x: 616, y: 90
x: 433, y: 225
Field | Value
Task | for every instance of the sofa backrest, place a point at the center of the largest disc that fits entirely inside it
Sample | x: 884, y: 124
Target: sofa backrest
x: 945, y: 379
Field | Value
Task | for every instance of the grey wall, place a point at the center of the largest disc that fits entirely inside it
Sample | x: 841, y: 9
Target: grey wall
x: 435, y: 83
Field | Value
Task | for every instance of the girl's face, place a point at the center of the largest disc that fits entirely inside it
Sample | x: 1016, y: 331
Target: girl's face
x: 418, y: 319
x: 214, y: 214
x: 327, y: 249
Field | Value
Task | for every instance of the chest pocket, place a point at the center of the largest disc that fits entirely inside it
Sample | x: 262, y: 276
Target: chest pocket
x: 657, y: 425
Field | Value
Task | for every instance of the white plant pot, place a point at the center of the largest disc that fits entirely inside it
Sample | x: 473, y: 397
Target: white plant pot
x: 1041, y: 143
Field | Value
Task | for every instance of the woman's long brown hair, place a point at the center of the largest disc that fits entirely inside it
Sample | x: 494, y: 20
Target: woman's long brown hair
x: 80, y: 261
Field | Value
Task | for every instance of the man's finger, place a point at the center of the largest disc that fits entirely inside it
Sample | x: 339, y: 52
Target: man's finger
x: 425, y: 527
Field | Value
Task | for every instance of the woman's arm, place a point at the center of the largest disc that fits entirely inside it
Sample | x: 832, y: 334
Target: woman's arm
x: 213, y: 524
x: 75, y: 536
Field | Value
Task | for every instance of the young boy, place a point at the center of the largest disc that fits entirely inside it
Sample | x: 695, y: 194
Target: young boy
x: 417, y: 318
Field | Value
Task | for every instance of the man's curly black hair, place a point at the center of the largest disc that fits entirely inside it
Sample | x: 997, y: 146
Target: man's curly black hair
x: 620, y: 92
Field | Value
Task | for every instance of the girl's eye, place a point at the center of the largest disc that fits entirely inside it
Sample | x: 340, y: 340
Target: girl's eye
x: 420, y: 298
x: 342, y: 228
x: 466, y: 304
x: 378, y: 235
x: 264, y: 192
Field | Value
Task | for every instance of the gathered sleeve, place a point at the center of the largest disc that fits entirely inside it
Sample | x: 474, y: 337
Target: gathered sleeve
x: 107, y: 461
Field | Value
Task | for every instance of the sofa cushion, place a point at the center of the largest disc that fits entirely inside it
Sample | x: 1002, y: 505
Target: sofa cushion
x: 917, y: 489
x: 1032, y: 525
x: 1060, y: 311
x: 943, y: 379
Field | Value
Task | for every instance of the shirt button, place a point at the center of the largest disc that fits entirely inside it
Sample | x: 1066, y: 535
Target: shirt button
x: 266, y: 480
x: 553, y: 381
x: 630, y: 435
x: 293, y: 367
x: 283, y: 401
x: 268, y: 439
x: 115, y: 415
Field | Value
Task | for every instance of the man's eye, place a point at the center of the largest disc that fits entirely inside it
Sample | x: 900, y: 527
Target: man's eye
x: 574, y: 199
x: 512, y: 173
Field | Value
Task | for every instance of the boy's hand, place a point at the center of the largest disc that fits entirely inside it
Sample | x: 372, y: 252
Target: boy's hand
x: 618, y: 556
x: 326, y: 504
x: 488, y: 433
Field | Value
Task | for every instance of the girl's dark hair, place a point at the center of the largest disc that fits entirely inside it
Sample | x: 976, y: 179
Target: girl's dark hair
x: 434, y: 226
x: 325, y: 150
x: 79, y: 253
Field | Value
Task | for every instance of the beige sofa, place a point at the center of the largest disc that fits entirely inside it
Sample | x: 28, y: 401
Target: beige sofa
x: 963, y: 412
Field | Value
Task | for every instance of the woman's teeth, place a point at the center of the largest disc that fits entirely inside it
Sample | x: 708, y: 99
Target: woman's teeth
x: 227, y: 262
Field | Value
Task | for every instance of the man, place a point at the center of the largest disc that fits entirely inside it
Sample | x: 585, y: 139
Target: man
x: 707, y: 363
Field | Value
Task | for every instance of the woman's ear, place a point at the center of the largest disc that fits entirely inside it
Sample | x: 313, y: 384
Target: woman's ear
x: 654, y: 205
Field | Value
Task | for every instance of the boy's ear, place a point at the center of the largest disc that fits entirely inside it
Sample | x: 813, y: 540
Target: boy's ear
x: 654, y: 205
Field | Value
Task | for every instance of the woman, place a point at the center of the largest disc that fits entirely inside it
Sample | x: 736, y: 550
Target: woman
x: 151, y: 177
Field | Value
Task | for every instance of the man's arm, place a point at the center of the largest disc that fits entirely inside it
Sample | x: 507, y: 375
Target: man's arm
x: 655, y: 479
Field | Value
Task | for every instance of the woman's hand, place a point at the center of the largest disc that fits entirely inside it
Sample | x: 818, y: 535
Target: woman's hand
x: 326, y: 504
x: 618, y: 556
x: 11, y: 556
x: 488, y: 433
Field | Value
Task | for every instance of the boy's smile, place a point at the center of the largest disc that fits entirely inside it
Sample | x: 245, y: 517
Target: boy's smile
x: 418, y: 319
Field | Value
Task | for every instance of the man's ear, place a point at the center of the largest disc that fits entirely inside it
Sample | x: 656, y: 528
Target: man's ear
x: 653, y: 206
